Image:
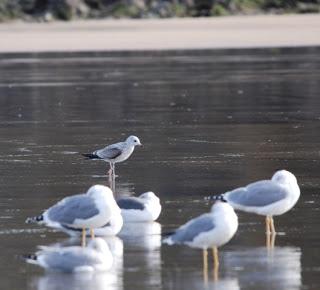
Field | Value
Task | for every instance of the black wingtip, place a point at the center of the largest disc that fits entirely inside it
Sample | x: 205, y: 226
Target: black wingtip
x: 90, y: 156
x: 29, y: 257
x: 219, y: 197
x: 167, y: 234
x: 35, y: 219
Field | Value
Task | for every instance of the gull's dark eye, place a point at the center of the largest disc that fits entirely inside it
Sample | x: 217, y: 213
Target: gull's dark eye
x: 135, y: 140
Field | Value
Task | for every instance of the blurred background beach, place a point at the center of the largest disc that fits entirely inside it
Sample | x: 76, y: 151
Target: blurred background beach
x: 100, y: 25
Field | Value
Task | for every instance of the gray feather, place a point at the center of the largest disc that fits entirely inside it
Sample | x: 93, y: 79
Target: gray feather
x: 70, y: 228
x: 192, y: 229
x: 130, y: 203
x: 109, y: 152
x: 67, y: 261
x: 260, y: 193
x: 74, y: 207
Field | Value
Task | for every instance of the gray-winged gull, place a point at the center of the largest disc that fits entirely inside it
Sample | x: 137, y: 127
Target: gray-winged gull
x: 266, y: 197
x: 144, y: 208
x: 209, y: 230
x: 115, y: 153
x: 83, y: 211
x: 95, y: 257
x: 111, y: 228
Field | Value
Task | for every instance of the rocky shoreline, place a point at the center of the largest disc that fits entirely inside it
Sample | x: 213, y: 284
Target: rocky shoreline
x: 48, y: 10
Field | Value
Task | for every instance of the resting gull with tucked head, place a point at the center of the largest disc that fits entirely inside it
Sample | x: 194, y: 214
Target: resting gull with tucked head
x: 144, y: 208
x: 90, y: 210
x: 95, y: 257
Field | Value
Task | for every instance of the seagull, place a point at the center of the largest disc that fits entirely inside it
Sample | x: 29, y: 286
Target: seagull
x: 115, y: 153
x: 95, y: 257
x: 144, y: 208
x: 209, y: 230
x: 266, y: 197
x: 111, y: 228
x: 90, y: 210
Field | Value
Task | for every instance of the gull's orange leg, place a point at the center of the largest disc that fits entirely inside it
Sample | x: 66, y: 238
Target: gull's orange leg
x: 205, y: 265
x: 92, y: 234
x: 215, y: 263
x: 83, y: 237
x: 273, y: 230
x: 268, y: 231
x: 268, y: 225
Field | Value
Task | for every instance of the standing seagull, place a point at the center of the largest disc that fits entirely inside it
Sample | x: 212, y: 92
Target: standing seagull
x: 83, y: 211
x: 210, y: 230
x: 95, y: 257
x: 266, y: 197
x: 115, y: 153
x: 111, y: 228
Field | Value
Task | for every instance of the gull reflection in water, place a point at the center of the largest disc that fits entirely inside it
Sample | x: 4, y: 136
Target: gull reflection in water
x: 142, y: 259
x: 142, y: 235
x: 194, y: 280
x: 183, y: 270
x: 87, y: 281
x: 260, y: 268
x: 111, y: 280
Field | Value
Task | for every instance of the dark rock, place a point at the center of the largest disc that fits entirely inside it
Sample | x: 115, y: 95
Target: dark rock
x: 48, y: 10
x: 68, y: 9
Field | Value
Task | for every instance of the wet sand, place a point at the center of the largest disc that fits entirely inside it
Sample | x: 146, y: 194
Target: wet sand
x: 162, y: 34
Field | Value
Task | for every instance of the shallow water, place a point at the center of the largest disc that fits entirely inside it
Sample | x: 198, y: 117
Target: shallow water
x: 209, y: 121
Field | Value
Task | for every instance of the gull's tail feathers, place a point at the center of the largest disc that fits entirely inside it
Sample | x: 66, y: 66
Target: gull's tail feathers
x: 90, y: 155
x: 36, y: 219
x: 168, y: 237
x: 216, y: 197
x: 30, y: 258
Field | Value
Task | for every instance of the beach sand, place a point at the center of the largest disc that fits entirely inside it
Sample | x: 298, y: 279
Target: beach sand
x: 162, y: 34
